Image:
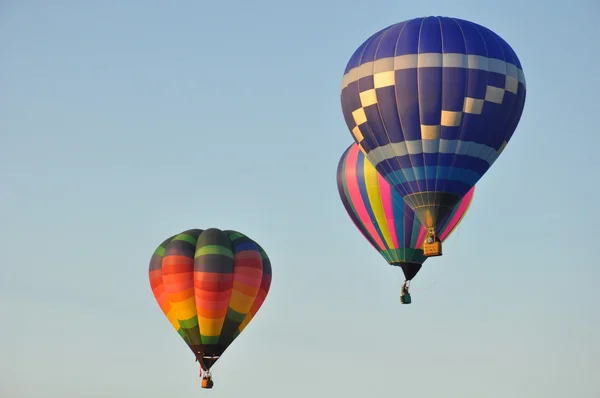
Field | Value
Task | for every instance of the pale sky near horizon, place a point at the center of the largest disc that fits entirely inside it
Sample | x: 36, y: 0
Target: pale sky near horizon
x: 123, y: 123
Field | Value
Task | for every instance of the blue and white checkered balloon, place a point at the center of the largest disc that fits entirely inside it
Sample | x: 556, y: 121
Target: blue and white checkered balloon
x: 433, y: 102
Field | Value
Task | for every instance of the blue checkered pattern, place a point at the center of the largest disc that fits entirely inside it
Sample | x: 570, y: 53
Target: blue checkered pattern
x: 433, y: 102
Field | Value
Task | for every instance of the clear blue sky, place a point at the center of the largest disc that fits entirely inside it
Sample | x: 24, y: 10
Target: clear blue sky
x: 122, y: 124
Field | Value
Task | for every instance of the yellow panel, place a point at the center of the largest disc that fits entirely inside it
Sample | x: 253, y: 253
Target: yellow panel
x: 473, y: 106
x: 240, y: 302
x: 430, y: 132
x: 172, y: 317
x: 374, y: 194
x: 494, y: 94
x: 357, y: 134
x: 185, y: 309
x: 359, y: 116
x: 384, y: 79
x: 210, y: 326
x: 451, y: 119
x: 368, y: 97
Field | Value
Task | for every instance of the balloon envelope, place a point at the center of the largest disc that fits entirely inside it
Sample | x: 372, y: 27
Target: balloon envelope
x: 209, y: 284
x: 433, y: 102
x: 383, y: 217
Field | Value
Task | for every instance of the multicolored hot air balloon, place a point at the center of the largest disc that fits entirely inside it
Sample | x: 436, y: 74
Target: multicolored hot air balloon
x: 433, y: 102
x: 383, y: 217
x: 209, y: 284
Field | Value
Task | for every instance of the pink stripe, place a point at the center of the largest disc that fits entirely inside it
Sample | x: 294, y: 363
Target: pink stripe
x: 356, y: 198
x: 247, y: 280
x: 385, y: 191
x: 422, y: 233
x: 458, y: 215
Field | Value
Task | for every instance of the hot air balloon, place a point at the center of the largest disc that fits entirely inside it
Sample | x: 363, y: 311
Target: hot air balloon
x: 384, y: 218
x: 433, y: 102
x: 209, y: 284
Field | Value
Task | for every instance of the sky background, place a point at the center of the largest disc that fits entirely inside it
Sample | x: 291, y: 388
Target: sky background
x: 123, y: 123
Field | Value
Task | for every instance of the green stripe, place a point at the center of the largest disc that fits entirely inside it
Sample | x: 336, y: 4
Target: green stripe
x: 405, y: 255
x: 190, y: 328
x: 187, y: 238
x: 235, y: 316
x: 415, y: 231
x: 189, y: 323
x: 386, y: 255
x: 160, y: 251
x: 235, y: 235
x: 210, y: 339
x: 213, y: 249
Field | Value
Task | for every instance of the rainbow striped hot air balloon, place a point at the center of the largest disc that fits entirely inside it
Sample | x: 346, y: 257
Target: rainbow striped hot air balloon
x: 209, y: 284
x: 382, y: 216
